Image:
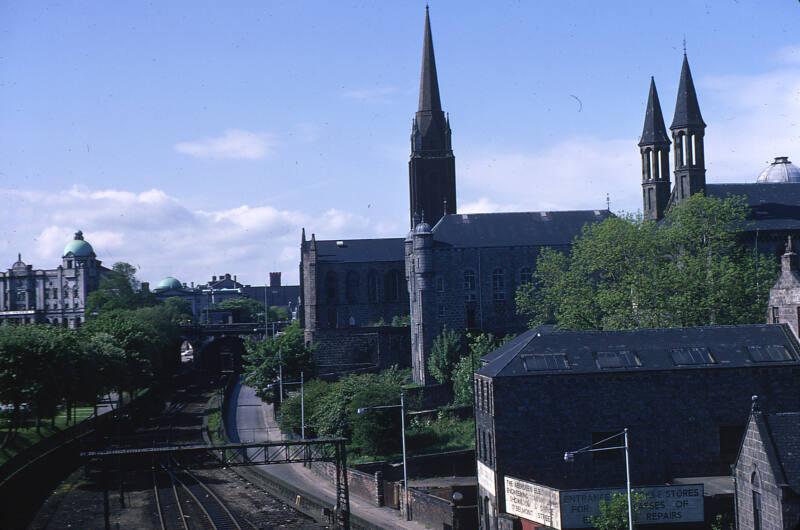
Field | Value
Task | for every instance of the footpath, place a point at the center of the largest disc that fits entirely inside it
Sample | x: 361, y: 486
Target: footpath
x: 251, y: 420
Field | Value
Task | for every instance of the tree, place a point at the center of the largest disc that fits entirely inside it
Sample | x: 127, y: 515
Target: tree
x: 624, y: 273
x: 614, y: 512
x: 119, y: 289
x: 445, y: 353
x: 244, y: 309
x: 479, y: 345
x: 263, y: 358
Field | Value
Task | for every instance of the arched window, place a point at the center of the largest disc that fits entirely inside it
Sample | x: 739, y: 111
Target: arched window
x: 498, y: 285
x: 755, y: 484
x: 351, y: 287
x: 330, y: 287
x: 525, y: 275
x: 372, y: 287
x: 392, y: 286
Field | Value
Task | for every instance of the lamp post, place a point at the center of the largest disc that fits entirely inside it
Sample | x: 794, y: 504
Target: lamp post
x: 402, y: 408
x: 569, y: 457
x: 302, y: 403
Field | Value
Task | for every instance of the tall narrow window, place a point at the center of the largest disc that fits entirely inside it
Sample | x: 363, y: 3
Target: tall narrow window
x: 525, y: 275
x: 330, y: 287
x: 351, y: 287
x: 469, y: 280
x: 755, y: 485
x: 372, y: 287
x: 498, y: 285
x: 392, y: 286
x: 775, y: 314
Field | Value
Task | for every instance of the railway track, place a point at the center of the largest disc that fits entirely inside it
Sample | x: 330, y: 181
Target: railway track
x: 183, y: 500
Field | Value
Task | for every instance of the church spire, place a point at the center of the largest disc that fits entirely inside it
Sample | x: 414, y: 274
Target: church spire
x: 687, y: 109
x: 654, y: 132
x: 654, y: 148
x: 432, y: 171
x: 429, y: 99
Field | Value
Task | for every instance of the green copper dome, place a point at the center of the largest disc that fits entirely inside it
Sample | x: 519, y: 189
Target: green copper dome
x: 169, y: 283
x: 78, y: 247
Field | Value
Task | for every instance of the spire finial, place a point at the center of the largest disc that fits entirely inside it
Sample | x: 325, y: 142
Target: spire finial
x: 756, y: 407
x: 684, y: 44
x: 789, y: 247
x: 19, y: 256
x: 429, y: 83
x: 608, y: 202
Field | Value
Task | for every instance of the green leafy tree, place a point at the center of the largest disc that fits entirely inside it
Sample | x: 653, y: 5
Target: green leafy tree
x: 264, y: 357
x: 244, y: 309
x: 445, y: 353
x: 119, y: 289
x: 628, y: 273
x: 479, y: 345
x: 614, y: 512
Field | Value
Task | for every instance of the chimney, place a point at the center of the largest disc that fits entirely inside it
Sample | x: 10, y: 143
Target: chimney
x: 274, y: 279
x: 213, y: 278
x: 145, y: 287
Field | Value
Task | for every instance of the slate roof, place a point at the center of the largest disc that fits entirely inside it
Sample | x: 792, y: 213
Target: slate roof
x: 654, y: 131
x: 361, y: 250
x: 773, y: 206
x: 517, y: 229
x: 687, y: 109
x: 784, y: 432
x: 650, y: 349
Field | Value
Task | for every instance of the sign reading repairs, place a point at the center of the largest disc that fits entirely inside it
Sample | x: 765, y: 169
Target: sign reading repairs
x: 534, y: 502
x: 565, y: 509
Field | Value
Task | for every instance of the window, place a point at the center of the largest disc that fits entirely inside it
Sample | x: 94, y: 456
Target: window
x: 392, y: 286
x: 755, y: 485
x: 440, y: 284
x: 687, y: 356
x: 617, y: 359
x: 540, y: 362
x: 372, y: 287
x: 525, y: 275
x: 442, y: 310
x: 774, y: 314
x: 730, y: 438
x: 469, y: 280
x: 330, y: 287
x: 769, y: 353
x: 498, y: 285
x: 351, y: 287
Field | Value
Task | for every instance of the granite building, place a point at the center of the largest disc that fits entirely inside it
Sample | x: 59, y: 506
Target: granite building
x: 767, y: 471
x: 683, y: 394
x: 774, y: 198
x: 51, y: 296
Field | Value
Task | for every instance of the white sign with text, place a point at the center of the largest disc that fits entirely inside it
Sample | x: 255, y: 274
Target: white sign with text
x: 533, y: 502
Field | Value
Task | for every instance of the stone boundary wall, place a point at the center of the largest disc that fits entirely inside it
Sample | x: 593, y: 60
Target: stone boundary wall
x: 367, y: 485
x: 436, y: 512
x: 447, y: 464
x: 381, y: 346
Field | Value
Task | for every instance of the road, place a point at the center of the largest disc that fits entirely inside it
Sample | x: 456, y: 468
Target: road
x: 251, y: 420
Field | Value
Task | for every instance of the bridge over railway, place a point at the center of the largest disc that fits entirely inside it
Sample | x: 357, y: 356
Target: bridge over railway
x: 220, y: 346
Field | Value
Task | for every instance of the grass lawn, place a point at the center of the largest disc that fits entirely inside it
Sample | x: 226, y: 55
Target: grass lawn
x: 28, y: 436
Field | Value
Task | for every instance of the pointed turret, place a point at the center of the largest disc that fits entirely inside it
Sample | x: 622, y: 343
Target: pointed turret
x: 654, y: 131
x: 687, y: 109
x: 688, y: 131
x: 432, y: 174
x: 784, y: 295
x: 654, y: 148
x: 429, y: 82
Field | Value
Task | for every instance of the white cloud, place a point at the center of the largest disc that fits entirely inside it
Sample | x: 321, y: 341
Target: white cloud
x: 485, y: 205
x: 232, y: 144
x: 164, y: 236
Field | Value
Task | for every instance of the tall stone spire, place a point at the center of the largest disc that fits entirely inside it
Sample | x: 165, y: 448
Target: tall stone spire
x: 654, y: 148
x: 688, y: 130
x: 432, y: 173
x: 429, y: 82
x: 687, y: 109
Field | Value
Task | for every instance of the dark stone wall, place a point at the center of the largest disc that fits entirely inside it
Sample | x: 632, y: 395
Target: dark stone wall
x: 780, y: 509
x: 447, y: 464
x: 385, y: 346
x: 366, y: 485
x: 675, y: 419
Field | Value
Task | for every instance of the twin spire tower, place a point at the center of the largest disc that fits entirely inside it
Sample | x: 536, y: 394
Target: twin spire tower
x: 688, y: 130
x: 432, y: 167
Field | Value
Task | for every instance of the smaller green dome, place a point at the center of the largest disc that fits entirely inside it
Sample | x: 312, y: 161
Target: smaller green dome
x: 78, y: 247
x: 169, y: 283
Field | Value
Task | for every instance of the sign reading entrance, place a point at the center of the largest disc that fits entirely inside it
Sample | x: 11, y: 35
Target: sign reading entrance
x: 564, y: 509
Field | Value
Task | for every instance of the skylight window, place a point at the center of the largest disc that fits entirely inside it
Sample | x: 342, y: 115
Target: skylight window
x: 617, y: 359
x: 688, y: 356
x: 769, y: 353
x: 541, y: 362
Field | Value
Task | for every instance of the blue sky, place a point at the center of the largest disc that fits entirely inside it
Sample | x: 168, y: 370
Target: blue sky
x: 196, y: 138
